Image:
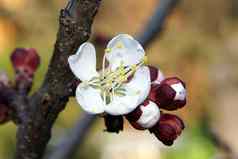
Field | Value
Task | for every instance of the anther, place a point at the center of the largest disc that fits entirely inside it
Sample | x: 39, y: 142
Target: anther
x: 119, y: 45
x: 108, y: 50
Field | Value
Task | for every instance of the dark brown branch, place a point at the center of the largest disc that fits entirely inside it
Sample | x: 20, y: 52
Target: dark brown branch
x: 145, y: 38
x: 14, y: 101
x: 42, y: 109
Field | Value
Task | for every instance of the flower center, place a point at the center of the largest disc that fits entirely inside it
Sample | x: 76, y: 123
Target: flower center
x: 111, y: 82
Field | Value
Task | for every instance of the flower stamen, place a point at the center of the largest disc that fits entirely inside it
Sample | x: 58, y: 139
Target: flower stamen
x: 110, y: 82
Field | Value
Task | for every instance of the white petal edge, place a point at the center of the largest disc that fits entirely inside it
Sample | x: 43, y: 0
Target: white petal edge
x: 180, y: 91
x: 136, y: 92
x: 150, y: 115
x: 130, y: 51
x: 89, y: 99
x: 83, y: 63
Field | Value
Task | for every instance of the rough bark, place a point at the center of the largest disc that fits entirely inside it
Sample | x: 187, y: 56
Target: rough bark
x: 39, y: 112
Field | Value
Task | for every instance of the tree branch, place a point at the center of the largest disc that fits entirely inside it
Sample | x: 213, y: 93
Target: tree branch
x: 152, y: 29
x: 14, y: 101
x: 7, y: 95
x: 42, y: 109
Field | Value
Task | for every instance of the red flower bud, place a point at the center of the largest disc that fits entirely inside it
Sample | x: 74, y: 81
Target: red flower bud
x: 26, y: 60
x: 170, y: 94
x: 133, y: 117
x: 153, y: 92
x: 168, y: 128
x: 113, y: 123
x: 25, y: 63
x: 101, y: 39
x: 156, y: 76
x: 144, y: 116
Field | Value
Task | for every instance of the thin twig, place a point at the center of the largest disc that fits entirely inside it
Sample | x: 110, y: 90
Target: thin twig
x: 73, y: 139
x: 217, y: 141
x: 155, y: 25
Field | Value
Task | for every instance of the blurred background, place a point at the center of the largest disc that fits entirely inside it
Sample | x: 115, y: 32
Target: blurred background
x: 199, y: 43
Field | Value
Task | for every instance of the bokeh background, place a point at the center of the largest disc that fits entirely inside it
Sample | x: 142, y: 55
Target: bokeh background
x: 199, y: 44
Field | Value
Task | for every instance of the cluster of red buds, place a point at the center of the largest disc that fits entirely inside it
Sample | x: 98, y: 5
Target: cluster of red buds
x: 25, y: 63
x: 165, y: 94
x: 168, y: 94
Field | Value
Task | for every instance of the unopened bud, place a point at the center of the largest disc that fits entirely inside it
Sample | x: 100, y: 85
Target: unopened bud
x: 113, y: 123
x: 25, y: 63
x: 170, y: 94
x: 101, y: 39
x: 156, y: 76
x: 26, y: 60
x: 144, y: 116
x: 168, y: 128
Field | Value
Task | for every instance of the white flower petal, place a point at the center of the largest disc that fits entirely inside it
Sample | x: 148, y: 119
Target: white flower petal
x: 123, y: 49
x: 89, y: 99
x: 150, y: 115
x: 83, y: 63
x: 136, y: 92
x: 140, y: 83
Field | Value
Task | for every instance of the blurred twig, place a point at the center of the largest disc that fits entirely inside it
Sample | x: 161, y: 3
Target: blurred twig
x: 69, y: 145
x: 155, y: 25
x: 73, y: 139
x: 218, y: 142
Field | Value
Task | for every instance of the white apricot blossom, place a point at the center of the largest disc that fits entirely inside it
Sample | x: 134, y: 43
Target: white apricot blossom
x: 118, y: 88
